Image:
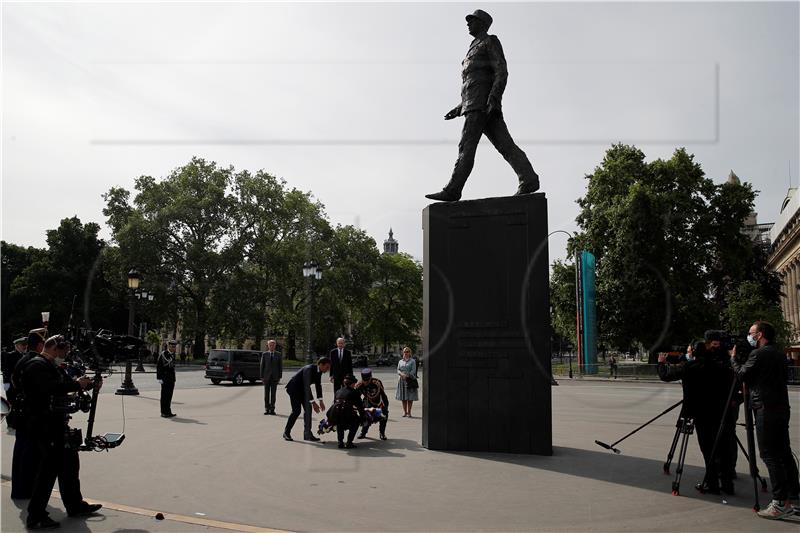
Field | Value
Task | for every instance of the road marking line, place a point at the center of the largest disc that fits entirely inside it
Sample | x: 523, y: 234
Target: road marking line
x: 193, y: 520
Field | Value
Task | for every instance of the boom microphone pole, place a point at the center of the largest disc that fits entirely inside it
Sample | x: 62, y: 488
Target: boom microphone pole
x: 662, y: 413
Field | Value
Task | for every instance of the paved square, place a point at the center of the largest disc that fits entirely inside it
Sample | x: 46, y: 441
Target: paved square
x: 221, y: 464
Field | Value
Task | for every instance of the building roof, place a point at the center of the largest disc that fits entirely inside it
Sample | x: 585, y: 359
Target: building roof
x: 789, y: 208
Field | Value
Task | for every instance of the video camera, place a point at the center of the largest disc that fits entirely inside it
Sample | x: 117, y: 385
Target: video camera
x: 100, y: 349
x: 97, y: 351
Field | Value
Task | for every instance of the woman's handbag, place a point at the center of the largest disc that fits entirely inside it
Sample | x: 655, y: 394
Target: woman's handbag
x: 412, y: 383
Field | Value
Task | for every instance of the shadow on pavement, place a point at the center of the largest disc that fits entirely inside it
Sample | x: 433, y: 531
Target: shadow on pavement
x: 182, y: 420
x: 628, y: 470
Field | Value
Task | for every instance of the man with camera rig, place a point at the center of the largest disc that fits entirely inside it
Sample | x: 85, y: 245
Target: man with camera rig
x: 706, y: 382
x: 764, y: 372
x: 46, y: 388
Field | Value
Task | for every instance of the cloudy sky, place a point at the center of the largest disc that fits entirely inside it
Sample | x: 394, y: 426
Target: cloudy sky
x: 346, y: 99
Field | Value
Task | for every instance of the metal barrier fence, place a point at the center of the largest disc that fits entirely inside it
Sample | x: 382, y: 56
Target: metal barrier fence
x: 637, y: 371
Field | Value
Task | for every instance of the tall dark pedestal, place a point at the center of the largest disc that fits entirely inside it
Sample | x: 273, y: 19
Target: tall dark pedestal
x: 487, y: 326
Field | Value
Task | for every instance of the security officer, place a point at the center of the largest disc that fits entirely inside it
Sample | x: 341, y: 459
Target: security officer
x: 165, y: 373
x: 26, y: 455
x: 46, y: 386
x: 484, y: 76
x: 706, y: 384
x: 271, y: 371
x: 10, y: 360
x: 374, y: 395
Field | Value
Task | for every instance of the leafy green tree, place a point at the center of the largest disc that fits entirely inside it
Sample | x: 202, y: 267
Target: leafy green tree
x: 749, y: 304
x: 19, y: 313
x: 562, y: 299
x: 68, y: 280
x: 183, y: 232
x: 668, y: 244
x: 395, y: 301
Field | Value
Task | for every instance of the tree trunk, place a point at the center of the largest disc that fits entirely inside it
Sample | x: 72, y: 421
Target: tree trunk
x: 199, y: 348
x: 291, y: 345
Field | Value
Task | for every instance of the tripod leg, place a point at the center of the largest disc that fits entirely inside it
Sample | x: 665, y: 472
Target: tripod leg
x: 674, y: 445
x: 751, y: 445
x: 686, y: 430
x: 747, y: 458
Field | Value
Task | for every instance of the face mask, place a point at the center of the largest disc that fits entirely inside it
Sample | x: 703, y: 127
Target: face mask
x: 58, y: 361
x: 752, y: 340
x: 689, y: 357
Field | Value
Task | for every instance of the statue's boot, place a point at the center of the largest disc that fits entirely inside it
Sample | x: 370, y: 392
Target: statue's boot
x: 444, y: 195
x: 529, y: 186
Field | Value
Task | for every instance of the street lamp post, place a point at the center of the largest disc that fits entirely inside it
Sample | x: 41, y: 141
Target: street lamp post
x: 145, y: 297
x: 134, y: 277
x: 311, y: 271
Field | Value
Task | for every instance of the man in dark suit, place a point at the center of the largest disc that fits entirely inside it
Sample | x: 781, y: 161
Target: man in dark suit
x: 341, y: 364
x: 165, y: 373
x: 271, y: 373
x: 300, y: 396
x: 484, y: 75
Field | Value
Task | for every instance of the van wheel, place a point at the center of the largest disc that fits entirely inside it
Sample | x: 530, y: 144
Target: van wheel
x: 216, y: 381
x: 238, y: 379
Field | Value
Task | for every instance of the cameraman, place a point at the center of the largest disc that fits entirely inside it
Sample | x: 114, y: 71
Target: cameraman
x: 46, y: 386
x: 764, y: 372
x: 706, y: 383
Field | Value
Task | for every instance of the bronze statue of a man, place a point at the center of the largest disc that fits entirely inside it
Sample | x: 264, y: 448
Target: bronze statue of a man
x: 484, y: 76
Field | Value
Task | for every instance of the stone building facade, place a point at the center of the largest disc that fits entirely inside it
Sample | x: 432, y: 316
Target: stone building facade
x: 784, y: 257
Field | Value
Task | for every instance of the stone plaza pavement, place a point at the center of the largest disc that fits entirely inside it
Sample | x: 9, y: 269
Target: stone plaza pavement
x: 222, y: 465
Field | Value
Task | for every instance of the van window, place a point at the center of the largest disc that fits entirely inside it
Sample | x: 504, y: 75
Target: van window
x: 247, y: 356
x: 218, y: 356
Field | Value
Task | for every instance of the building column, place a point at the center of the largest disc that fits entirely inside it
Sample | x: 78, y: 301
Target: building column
x: 794, y: 311
x: 784, y: 272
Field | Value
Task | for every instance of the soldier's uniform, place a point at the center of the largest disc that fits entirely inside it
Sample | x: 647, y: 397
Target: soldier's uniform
x: 374, y: 395
x: 484, y: 75
x: 26, y: 455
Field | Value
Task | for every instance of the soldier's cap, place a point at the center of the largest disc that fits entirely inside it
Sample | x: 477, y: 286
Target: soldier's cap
x: 173, y: 342
x: 480, y: 14
x: 35, y: 336
x: 366, y: 372
x: 349, y: 378
x: 21, y: 340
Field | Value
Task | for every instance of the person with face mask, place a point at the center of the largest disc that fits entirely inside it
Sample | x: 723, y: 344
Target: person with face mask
x: 46, y: 385
x: 706, y: 384
x: 764, y: 371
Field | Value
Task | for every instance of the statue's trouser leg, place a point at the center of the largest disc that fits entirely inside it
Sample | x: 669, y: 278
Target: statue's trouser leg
x: 474, y: 122
x: 497, y: 132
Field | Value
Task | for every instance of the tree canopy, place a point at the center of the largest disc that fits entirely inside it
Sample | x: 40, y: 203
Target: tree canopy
x: 671, y: 254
